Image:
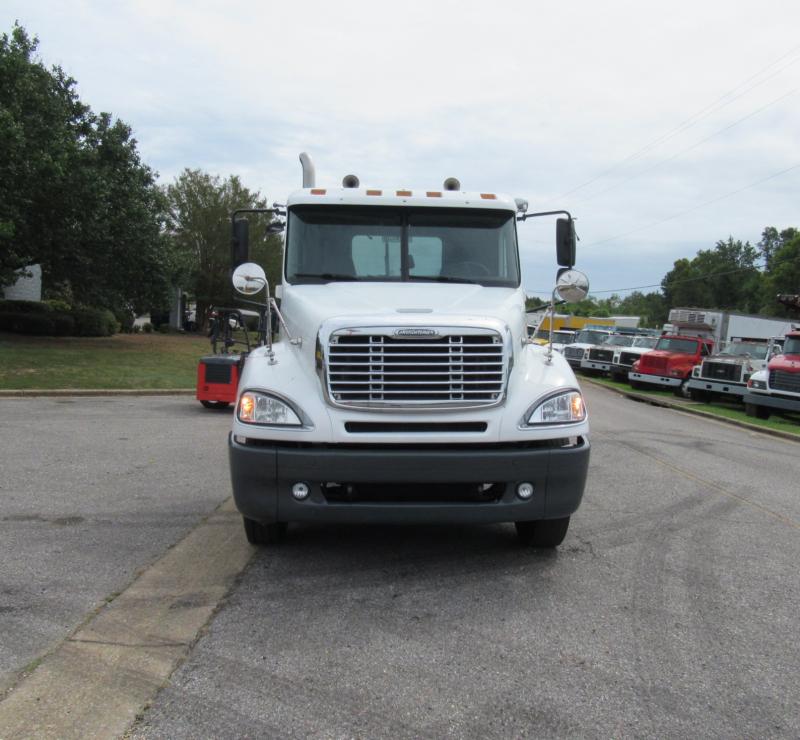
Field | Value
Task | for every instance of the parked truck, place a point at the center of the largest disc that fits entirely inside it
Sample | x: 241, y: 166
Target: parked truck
x: 726, y: 373
x: 776, y: 388
x: 692, y: 336
x: 402, y: 386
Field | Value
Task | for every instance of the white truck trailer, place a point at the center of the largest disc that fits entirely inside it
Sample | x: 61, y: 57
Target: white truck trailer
x: 402, y: 386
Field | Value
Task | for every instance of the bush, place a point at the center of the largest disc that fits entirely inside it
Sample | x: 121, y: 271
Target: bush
x: 63, y: 324
x: 125, y: 318
x: 136, y: 329
x: 24, y: 307
x: 27, y: 323
x: 147, y: 328
x: 94, y: 322
x: 58, y: 305
x: 164, y: 329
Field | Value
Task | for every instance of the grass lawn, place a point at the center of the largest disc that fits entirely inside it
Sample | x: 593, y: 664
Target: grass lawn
x: 122, y: 361
x: 728, y: 409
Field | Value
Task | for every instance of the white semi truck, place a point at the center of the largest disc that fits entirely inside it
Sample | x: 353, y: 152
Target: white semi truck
x: 402, y: 385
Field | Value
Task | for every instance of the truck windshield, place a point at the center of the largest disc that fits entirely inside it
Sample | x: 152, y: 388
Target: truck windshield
x: 458, y: 245
x: 647, y: 342
x: 756, y: 350
x: 671, y: 344
x: 791, y: 346
x: 619, y: 340
x: 587, y: 336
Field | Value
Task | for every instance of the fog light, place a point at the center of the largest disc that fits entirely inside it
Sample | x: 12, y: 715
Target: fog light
x: 525, y: 491
x: 300, y: 491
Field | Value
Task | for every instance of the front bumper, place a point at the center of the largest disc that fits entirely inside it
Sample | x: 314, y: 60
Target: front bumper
x: 783, y: 403
x: 263, y: 475
x: 597, y: 365
x: 656, y: 380
x: 717, y: 386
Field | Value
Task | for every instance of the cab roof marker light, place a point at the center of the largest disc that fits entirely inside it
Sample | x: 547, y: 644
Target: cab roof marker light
x: 404, y: 193
x: 318, y: 191
x: 374, y: 192
x: 488, y: 196
x: 433, y: 194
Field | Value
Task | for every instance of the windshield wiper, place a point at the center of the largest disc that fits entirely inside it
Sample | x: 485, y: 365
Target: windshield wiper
x: 325, y: 276
x: 443, y: 279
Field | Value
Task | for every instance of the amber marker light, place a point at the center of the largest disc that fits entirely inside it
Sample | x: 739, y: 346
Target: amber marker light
x: 488, y: 196
x: 374, y: 192
x: 577, y: 406
x: 403, y: 193
x: 247, y: 405
x: 318, y: 191
x: 434, y: 194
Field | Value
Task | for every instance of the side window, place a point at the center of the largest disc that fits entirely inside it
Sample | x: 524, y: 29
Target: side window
x: 425, y: 253
x: 704, y: 350
x: 376, y: 256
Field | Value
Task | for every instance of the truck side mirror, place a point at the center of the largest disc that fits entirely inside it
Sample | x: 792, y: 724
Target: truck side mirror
x: 249, y: 279
x: 240, y: 244
x: 572, y: 286
x: 565, y: 242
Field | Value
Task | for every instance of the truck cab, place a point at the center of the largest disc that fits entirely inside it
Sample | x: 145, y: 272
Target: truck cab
x: 726, y: 373
x: 669, y: 364
x: 584, y: 340
x: 402, y: 386
x: 776, y: 388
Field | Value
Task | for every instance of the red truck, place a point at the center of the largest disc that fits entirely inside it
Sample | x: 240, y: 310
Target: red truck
x: 778, y: 387
x: 670, y: 363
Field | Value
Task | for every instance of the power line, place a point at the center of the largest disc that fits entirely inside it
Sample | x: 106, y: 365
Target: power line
x: 757, y: 264
x: 684, y: 151
x: 694, y: 208
x: 718, y: 104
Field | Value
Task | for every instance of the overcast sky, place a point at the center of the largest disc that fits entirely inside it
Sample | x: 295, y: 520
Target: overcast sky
x: 661, y: 127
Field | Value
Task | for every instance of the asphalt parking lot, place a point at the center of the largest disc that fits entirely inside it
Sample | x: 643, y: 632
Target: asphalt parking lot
x: 670, y: 609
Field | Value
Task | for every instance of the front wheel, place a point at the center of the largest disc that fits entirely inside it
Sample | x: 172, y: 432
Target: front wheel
x: 264, y: 534
x: 759, y: 412
x: 682, y: 391
x: 543, y: 533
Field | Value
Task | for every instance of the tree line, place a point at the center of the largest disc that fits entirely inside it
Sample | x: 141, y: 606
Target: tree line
x: 733, y: 275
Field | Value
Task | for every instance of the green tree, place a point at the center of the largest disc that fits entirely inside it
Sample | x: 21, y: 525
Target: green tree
x: 784, y: 277
x: 200, y: 210
x: 725, y: 277
x: 74, y: 194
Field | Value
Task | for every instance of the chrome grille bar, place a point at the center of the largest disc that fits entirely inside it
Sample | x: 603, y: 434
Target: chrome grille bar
x: 455, y: 367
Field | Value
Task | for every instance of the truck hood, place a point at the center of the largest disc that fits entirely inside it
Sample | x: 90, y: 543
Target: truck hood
x: 665, y: 354
x: 309, y: 305
x: 785, y: 363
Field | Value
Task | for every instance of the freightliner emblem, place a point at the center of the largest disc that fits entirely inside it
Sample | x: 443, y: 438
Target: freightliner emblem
x: 416, y: 333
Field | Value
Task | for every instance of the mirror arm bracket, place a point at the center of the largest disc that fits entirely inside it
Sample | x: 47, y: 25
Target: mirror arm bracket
x: 526, y: 216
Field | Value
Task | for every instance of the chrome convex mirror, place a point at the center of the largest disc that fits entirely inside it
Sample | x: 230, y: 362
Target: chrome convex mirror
x: 572, y: 286
x: 249, y: 279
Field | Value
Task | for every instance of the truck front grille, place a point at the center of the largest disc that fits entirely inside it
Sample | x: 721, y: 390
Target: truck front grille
x: 779, y: 380
x: 368, y: 370
x: 573, y: 353
x: 601, y: 355
x: 721, y: 371
x: 652, y: 363
x: 628, y: 358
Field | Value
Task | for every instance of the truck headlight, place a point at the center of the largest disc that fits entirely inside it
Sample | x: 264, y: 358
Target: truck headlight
x: 760, y: 384
x: 563, y: 408
x: 261, y: 408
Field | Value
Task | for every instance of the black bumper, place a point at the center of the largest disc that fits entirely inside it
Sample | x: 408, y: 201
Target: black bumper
x: 263, y: 476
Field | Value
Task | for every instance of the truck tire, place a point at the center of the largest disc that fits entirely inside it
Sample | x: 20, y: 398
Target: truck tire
x: 682, y: 391
x: 543, y: 533
x: 696, y: 394
x: 759, y: 412
x: 216, y: 404
x: 264, y: 534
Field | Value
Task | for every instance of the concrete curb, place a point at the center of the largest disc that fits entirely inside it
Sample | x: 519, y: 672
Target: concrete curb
x: 676, y: 405
x: 98, y: 392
